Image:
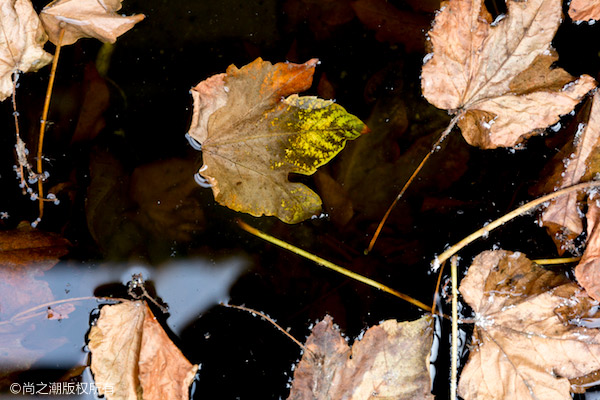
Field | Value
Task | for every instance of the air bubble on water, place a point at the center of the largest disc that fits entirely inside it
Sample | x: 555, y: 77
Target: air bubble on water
x: 51, y: 196
x: 15, y: 113
x: 196, y: 145
x: 35, y: 223
x: 435, y: 265
x: 200, y: 180
x: 33, y: 196
x: 226, y: 89
x: 556, y: 127
x: 485, y: 234
x: 427, y: 57
x: 499, y: 18
x: 56, y: 202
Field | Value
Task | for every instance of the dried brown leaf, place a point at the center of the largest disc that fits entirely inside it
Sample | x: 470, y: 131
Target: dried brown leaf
x: 526, y: 343
x: 587, y: 271
x: 22, y: 40
x: 575, y: 163
x: 390, y: 361
x: 86, y: 19
x: 253, y: 137
x: 584, y: 10
x: 483, y: 69
x: 133, y: 358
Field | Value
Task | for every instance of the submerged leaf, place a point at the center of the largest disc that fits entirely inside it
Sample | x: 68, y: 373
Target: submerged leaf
x: 86, y: 19
x: 22, y: 40
x: 133, y: 358
x: 252, y: 137
x: 526, y: 342
x: 390, y: 361
x: 499, y: 73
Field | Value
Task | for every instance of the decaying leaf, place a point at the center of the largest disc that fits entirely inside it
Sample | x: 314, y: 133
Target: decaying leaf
x: 390, y: 361
x: 86, y: 19
x: 499, y: 73
x: 529, y: 336
x: 587, y: 271
x: 584, y: 10
x: 253, y: 136
x: 21, y: 42
x: 577, y: 162
x: 133, y: 358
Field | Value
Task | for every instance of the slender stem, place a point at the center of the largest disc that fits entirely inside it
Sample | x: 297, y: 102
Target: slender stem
x: 330, y: 265
x: 454, y: 360
x: 269, y: 319
x: 410, y: 180
x: 554, y: 261
x: 40, y: 168
x: 436, y: 294
x: 507, y: 217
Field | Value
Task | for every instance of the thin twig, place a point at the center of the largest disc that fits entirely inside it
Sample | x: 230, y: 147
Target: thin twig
x: 332, y: 266
x: 436, y: 294
x: 40, y: 168
x: 507, y: 217
x: 410, y: 180
x: 269, y: 319
x: 454, y: 360
x: 554, y: 261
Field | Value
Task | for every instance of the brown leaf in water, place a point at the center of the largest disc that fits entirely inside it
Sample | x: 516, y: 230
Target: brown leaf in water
x: 86, y: 19
x: 393, y: 25
x: 253, y: 137
x: 587, y: 271
x: 133, y: 357
x: 22, y: 40
x: 390, y: 361
x: 584, y: 10
x: 526, y: 343
x: 25, y: 254
x: 577, y: 162
x: 499, y: 73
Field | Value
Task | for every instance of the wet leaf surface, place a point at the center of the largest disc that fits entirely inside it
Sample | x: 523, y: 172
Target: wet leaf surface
x: 584, y: 10
x: 499, y: 72
x: 529, y: 339
x: 389, y: 361
x: 86, y: 19
x: 255, y: 131
x: 21, y: 42
x: 132, y: 356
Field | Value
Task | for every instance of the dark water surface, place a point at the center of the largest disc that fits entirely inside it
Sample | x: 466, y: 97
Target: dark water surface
x: 129, y: 203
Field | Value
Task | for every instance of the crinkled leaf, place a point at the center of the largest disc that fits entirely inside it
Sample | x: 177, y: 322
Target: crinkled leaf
x: 587, y: 271
x: 584, y: 10
x: 498, y: 73
x: 86, y: 19
x: 390, y: 361
x: 526, y: 343
x: 133, y: 358
x: 253, y: 136
x: 22, y: 40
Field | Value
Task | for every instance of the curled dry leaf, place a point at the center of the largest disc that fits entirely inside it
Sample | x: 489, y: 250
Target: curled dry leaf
x: 86, y: 19
x: 529, y: 338
x: 21, y: 42
x: 499, y: 74
x: 584, y: 10
x: 577, y: 162
x: 390, y: 361
x: 253, y: 136
x: 587, y: 271
x: 133, y: 358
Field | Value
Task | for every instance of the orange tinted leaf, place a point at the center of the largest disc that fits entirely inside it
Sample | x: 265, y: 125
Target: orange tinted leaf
x: 86, y: 19
x: 526, y: 344
x: 132, y: 356
x: 584, y: 10
x: 390, y: 361
x: 484, y: 69
x: 253, y: 137
x: 22, y: 40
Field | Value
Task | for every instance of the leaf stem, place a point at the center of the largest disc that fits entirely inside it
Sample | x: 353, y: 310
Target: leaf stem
x: 507, y: 217
x: 330, y: 265
x: 40, y: 168
x: 454, y: 360
x: 434, y: 149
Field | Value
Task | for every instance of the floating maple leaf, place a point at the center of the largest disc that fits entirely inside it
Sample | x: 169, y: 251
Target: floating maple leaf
x: 132, y: 355
x: 525, y: 342
x: 252, y: 137
x: 498, y: 74
x: 21, y: 41
x: 584, y: 10
x: 577, y: 162
x: 86, y: 19
x: 390, y: 361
